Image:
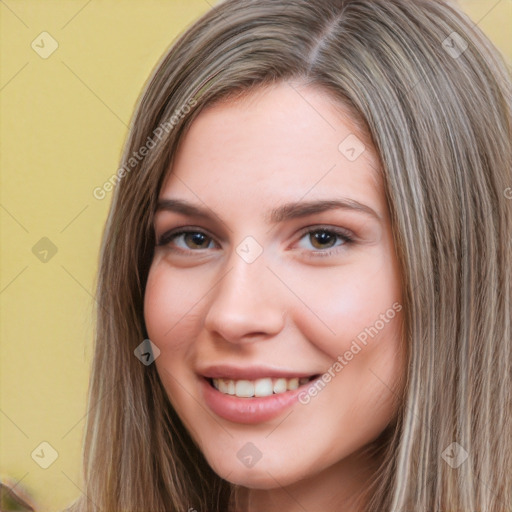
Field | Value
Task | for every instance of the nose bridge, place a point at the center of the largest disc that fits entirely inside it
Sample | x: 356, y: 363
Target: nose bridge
x: 239, y: 287
x: 243, y: 303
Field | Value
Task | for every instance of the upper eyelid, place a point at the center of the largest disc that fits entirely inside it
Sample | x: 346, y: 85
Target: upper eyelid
x: 337, y: 230
x: 184, y: 230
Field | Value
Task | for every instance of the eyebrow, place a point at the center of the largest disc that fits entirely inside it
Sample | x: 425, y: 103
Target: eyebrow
x: 287, y: 211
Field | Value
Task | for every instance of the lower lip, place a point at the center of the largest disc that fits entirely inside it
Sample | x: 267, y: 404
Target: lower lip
x: 248, y: 410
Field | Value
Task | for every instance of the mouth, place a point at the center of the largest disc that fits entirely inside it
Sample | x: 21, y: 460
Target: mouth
x: 257, y: 388
x: 252, y: 394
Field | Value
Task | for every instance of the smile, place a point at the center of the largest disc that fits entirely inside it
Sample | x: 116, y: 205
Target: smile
x: 260, y: 387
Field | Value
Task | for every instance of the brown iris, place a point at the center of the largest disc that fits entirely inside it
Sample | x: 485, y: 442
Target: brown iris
x: 322, y: 239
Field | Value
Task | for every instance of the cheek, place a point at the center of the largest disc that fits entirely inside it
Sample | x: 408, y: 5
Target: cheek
x: 357, y: 302
x: 172, y: 315
x: 172, y: 305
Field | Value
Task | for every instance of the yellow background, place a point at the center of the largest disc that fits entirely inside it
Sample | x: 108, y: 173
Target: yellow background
x: 64, y: 120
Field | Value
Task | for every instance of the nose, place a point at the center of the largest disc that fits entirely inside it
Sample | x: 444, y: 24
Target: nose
x: 245, y: 305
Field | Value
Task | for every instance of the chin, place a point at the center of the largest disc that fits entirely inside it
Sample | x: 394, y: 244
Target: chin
x: 263, y: 475
x: 257, y: 479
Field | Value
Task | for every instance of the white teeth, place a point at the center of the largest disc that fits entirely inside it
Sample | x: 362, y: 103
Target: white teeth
x: 244, y: 388
x: 280, y: 386
x: 263, y: 387
x: 226, y: 386
x: 258, y: 387
x: 223, y: 386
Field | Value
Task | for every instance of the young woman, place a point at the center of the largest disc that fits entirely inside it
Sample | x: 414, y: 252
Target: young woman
x: 305, y: 282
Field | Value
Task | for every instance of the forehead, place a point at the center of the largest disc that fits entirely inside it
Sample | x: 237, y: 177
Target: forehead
x: 276, y: 143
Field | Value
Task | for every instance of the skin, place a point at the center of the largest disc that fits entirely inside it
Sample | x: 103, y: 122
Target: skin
x: 290, y: 308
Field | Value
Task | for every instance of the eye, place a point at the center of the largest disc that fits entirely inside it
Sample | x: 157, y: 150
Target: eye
x: 325, y: 239
x: 187, y: 240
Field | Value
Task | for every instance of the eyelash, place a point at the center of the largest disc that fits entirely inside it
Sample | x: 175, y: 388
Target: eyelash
x: 342, y: 234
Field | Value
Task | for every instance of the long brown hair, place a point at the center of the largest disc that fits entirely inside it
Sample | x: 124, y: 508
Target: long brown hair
x: 434, y: 96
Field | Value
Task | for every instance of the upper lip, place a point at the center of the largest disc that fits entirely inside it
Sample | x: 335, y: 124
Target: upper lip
x: 250, y: 372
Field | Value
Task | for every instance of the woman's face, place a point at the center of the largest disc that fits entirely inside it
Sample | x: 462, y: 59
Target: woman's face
x: 286, y: 272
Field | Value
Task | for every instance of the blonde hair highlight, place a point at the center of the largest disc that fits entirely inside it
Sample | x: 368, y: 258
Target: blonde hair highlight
x: 441, y: 125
